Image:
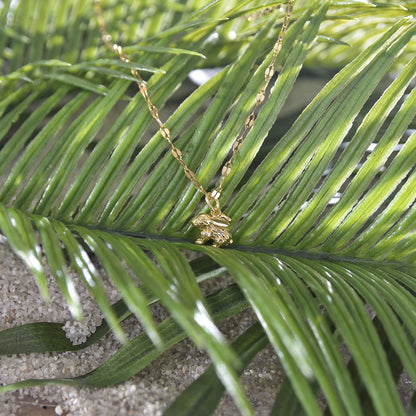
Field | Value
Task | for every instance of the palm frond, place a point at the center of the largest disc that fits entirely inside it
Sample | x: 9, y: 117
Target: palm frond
x: 323, y: 226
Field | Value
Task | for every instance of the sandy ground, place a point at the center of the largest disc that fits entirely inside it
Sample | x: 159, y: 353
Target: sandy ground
x: 148, y: 393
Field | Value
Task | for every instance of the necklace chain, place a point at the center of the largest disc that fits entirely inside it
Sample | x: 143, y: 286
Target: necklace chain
x: 211, y: 198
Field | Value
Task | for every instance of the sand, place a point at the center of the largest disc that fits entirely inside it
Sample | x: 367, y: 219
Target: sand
x: 148, y: 393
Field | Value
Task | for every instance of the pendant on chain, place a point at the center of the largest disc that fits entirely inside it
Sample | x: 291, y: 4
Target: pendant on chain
x: 214, y: 226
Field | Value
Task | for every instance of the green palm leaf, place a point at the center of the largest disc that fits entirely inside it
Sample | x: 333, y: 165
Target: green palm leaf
x: 323, y: 226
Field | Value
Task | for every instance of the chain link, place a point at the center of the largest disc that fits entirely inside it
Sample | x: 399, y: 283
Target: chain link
x: 212, y: 198
x: 260, y: 97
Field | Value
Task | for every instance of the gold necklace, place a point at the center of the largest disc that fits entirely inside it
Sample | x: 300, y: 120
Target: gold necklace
x: 213, y: 226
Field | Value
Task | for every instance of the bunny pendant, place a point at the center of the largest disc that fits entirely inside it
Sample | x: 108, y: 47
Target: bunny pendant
x: 213, y: 227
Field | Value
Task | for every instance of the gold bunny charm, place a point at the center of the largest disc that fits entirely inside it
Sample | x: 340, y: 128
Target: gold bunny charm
x: 215, y: 226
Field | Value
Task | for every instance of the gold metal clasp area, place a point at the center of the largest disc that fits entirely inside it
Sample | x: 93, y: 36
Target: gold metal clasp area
x: 212, y: 198
x: 214, y: 226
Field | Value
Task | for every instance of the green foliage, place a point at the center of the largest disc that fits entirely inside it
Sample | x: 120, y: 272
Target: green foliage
x: 323, y: 225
